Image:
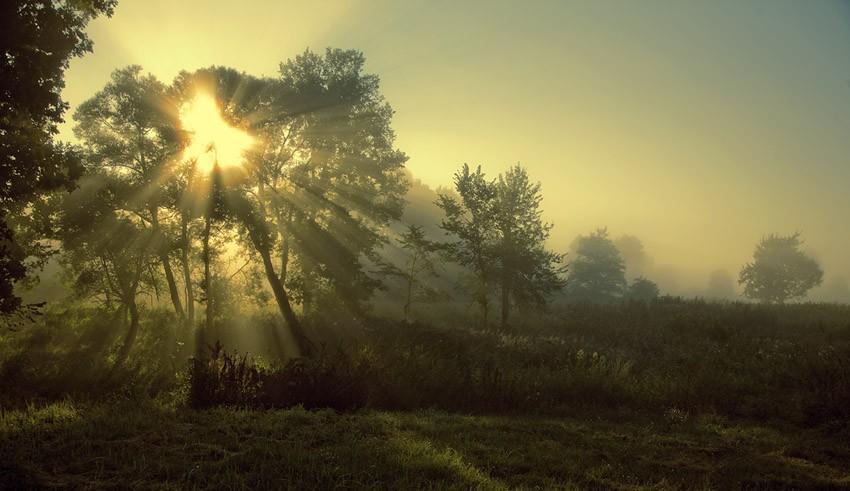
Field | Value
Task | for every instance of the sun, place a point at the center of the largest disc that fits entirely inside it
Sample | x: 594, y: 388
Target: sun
x: 212, y: 139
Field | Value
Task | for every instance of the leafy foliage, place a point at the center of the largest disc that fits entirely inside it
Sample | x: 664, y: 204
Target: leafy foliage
x: 38, y: 40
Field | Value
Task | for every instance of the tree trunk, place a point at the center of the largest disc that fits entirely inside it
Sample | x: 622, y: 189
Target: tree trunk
x: 411, y: 280
x: 130, y: 337
x: 200, y: 340
x: 172, y: 285
x: 162, y: 253
x: 483, y: 301
x: 506, y: 301
x: 283, y: 227
x: 303, y: 344
x: 187, y: 271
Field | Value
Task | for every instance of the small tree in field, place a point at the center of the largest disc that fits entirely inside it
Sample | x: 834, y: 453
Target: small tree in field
x: 780, y: 271
x: 421, y: 263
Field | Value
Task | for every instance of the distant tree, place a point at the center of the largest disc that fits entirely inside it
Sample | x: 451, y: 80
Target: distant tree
x: 597, y: 274
x: 39, y: 37
x: 637, y: 261
x: 422, y: 260
x: 780, y: 271
x: 470, y: 218
x: 527, y: 271
x: 642, y: 290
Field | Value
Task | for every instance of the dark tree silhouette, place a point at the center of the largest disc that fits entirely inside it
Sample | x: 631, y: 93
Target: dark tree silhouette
x: 38, y: 39
x: 780, y: 271
x: 597, y: 274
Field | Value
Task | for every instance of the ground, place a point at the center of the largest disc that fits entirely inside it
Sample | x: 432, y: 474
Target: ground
x: 152, y: 445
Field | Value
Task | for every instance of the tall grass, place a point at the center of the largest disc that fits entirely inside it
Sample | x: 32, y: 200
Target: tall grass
x: 788, y: 363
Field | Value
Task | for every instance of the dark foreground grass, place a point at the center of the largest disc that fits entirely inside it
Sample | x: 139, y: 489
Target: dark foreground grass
x: 127, y: 445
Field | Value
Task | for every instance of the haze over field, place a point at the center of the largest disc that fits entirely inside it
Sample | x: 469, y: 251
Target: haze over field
x: 696, y: 127
x: 424, y: 244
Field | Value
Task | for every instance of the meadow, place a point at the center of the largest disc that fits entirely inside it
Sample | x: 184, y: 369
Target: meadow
x: 672, y: 394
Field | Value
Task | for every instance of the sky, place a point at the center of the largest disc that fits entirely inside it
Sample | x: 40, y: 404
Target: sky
x: 699, y: 127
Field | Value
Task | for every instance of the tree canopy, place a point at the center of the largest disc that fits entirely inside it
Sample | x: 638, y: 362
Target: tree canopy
x: 38, y: 40
x: 597, y: 273
x: 500, y: 236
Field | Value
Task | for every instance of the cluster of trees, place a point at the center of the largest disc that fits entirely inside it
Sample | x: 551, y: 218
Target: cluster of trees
x: 596, y: 270
x: 310, y: 201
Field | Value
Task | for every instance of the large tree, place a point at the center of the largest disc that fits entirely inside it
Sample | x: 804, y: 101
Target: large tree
x: 129, y: 131
x: 105, y: 250
x: 780, y: 271
x: 322, y: 180
x: 597, y: 272
x: 38, y: 38
x: 332, y: 177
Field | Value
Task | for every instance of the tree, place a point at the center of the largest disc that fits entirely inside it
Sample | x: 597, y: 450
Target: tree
x: 129, y: 130
x: 780, y: 271
x: 642, y: 290
x: 331, y: 178
x: 637, y: 261
x: 597, y: 274
x: 421, y: 263
x: 38, y: 39
x: 469, y: 217
x: 527, y: 271
x: 105, y: 250
x: 321, y: 182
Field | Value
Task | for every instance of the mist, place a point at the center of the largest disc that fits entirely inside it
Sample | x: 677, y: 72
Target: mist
x: 424, y: 244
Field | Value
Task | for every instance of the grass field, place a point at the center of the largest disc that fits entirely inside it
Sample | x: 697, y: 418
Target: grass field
x: 151, y: 445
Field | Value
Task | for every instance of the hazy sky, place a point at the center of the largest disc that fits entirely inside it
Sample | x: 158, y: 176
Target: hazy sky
x: 697, y: 126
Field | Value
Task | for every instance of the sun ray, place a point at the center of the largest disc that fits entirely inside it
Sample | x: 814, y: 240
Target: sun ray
x: 213, y: 141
